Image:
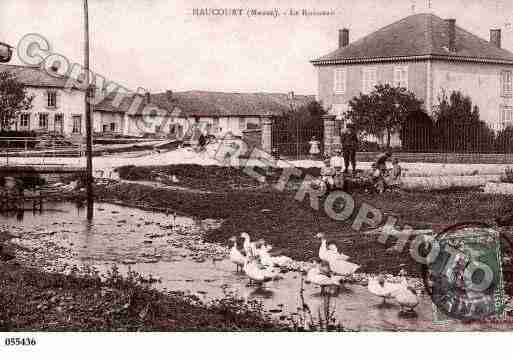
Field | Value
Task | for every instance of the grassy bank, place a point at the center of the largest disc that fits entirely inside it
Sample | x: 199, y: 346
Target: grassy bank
x: 290, y: 225
x: 34, y: 301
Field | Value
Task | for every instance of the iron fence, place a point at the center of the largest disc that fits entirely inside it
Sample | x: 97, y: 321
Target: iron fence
x: 37, y: 147
x: 295, y: 142
x: 452, y: 138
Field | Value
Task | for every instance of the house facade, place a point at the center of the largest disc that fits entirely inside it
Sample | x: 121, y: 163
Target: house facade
x: 55, y: 108
x: 132, y: 115
x: 428, y: 56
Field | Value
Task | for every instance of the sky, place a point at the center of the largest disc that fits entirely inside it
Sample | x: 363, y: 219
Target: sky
x: 161, y: 45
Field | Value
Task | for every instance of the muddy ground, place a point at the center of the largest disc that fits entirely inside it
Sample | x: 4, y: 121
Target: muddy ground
x: 31, y: 300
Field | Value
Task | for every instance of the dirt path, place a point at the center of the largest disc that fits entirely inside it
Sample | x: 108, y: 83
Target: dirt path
x: 155, y: 184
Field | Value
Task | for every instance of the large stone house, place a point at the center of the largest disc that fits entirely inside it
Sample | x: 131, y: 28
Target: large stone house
x: 427, y: 55
x: 55, y: 107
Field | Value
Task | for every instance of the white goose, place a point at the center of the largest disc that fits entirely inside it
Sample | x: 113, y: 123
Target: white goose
x: 267, y: 260
x: 382, y: 288
x: 406, y: 295
x: 236, y: 256
x: 248, y: 246
x: 323, y: 250
x: 255, y: 274
x: 316, y: 276
x: 265, y: 257
x: 333, y: 253
x: 342, y: 267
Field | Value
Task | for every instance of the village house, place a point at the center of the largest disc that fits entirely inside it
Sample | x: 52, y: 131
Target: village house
x: 427, y: 55
x: 132, y: 114
x: 173, y: 114
x: 55, y: 108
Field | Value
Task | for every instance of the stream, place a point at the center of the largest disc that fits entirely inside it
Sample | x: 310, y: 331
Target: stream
x: 173, y: 251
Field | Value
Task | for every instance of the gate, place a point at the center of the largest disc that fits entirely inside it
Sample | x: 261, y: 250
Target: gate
x: 291, y: 138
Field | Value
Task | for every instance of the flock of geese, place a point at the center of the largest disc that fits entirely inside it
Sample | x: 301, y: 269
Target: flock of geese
x: 331, y: 269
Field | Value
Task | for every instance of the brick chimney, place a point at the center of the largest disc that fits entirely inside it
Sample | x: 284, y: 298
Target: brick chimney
x: 343, y: 38
x: 451, y: 34
x: 495, y: 37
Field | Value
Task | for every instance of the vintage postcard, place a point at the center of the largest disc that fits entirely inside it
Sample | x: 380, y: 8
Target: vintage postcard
x: 255, y: 166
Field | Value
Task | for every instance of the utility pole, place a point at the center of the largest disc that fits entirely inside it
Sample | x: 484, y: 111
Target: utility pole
x: 88, y: 122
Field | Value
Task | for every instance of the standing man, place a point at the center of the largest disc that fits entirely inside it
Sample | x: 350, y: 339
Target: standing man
x: 350, y: 146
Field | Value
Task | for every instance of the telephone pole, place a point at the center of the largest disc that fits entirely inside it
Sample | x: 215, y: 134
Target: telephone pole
x: 88, y: 122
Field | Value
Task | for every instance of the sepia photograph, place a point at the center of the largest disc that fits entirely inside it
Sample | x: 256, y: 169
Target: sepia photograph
x: 245, y: 166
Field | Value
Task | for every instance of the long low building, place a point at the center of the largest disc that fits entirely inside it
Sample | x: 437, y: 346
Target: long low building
x: 174, y: 113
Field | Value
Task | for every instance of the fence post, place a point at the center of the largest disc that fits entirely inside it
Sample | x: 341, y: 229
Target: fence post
x: 329, y: 132
x: 267, y: 125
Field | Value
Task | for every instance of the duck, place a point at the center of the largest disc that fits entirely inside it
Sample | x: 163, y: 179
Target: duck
x: 317, y: 276
x: 406, y: 295
x: 323, y: 250
x: 333, y: 253
x: 236, y: 256
x: 383, y: 288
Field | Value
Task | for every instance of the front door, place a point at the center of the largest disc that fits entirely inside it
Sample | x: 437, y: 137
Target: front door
x: 58, y: 124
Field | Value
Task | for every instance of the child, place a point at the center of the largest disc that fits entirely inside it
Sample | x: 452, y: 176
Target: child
x: 379, y: 171
x: 394, y: 178
x: 314, y: 148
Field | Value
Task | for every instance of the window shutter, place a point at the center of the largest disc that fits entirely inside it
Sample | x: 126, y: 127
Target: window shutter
x: 339, y: 80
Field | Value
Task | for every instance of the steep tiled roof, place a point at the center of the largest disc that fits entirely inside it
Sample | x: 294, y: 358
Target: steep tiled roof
x: 225, y: 104
x: 33, y: 76
x: 416, y: 37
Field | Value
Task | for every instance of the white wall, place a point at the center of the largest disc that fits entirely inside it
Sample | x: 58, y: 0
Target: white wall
x: 69, y: 103
x: 479, y: 81
x: 101, y: 118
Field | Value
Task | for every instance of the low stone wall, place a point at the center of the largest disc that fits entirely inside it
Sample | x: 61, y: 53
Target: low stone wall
x: 492, y: 158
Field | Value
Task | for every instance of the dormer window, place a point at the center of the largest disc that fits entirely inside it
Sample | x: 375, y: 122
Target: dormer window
x: 52, y: 99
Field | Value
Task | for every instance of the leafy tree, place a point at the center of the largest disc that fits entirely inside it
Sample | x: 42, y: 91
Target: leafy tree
x: 307, y: 117
x: 504, y: 140
x: 383, y: 111
x: 13, y: 99
x: 458, y: 126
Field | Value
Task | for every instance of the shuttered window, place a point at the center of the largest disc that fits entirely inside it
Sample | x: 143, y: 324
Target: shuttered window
x: 506, y: 85
x: 401, y: 76
x: 339, y: 80
x: 43, y: 120
x: 506, y: 116
x: 369, y: 79
x: 25, y: 120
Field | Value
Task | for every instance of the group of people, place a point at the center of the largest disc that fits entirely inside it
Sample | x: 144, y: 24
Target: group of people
x: 344, y: 157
